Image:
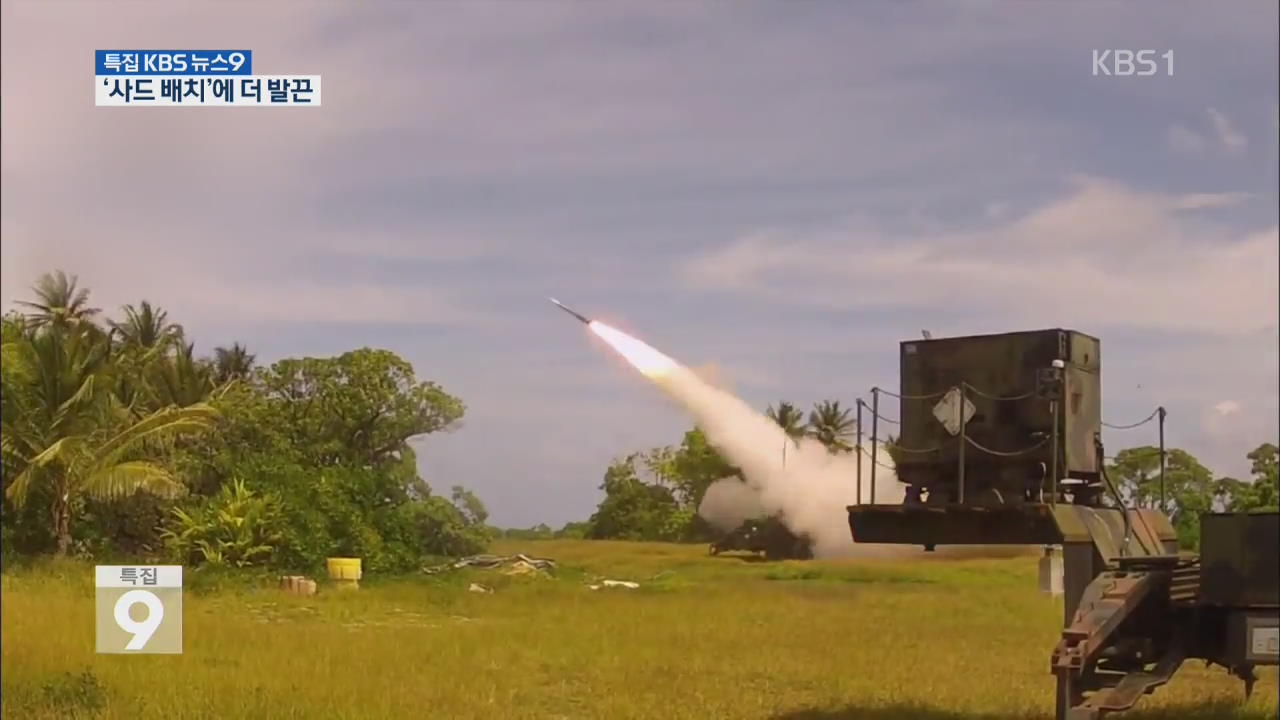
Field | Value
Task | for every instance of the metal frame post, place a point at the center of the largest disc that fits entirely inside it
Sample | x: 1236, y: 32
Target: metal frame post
x: 859, y: 453
x: 1163, y: 507
x: 875, y: 434
x: 963, y: 440
x: 1053, y: 463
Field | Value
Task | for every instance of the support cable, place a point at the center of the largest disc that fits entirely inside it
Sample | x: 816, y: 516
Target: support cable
x: 886, y: 467
x: 1006, y: 453
x: 891, y: 421
x: 1131, y: 426
x: 998, y: 398
x: 930, y: 396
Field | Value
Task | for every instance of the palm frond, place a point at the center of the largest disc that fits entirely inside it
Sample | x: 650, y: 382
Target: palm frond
x: 126, y: 478
x: 21, y: 485
x: 62, y: 449
x: 83, y: 395
x: 166, y: 421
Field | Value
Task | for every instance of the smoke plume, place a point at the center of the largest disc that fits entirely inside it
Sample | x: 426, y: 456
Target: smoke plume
x: 728, y: 502
x: 799, y: 481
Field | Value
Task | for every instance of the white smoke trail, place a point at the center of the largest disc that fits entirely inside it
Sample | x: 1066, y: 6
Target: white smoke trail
x: 801, y: 482
x: 728, y: 502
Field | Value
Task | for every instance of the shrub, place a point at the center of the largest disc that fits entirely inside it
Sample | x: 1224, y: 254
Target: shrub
x: 237, y: 527
x: 75, y: 694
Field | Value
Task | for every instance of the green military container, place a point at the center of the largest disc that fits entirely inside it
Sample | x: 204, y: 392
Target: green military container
x: 1239, y: 588
x: 1237, y: 559
x: 1011, y: 383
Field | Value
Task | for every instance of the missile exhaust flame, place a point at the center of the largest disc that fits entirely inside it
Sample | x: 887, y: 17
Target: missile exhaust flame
x: 643, y: 357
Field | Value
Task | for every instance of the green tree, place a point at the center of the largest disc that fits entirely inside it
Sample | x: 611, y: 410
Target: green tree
x: 233, y: 363
x: 360, y: 407
x: 789, y: 418
x: 90, y: 418
x: 433, y: 526
x: 145, y: 327
x: 180, y: 378
x: 59, y: 302
x: 891, y: 448
x: 70, y: 434
x: 691, y: 468
x: 1265, y: 458
x: 1265, y: 492
x: 1260, y: 493
x: 1190, y: 488
x: 632, y: 509
x: 541, y: 531
x: 832, y: 426
x: 574, y: 530
x: 13, y: 326
x: 330, y: 435
x: 22, y: 528
x: 469, y: 505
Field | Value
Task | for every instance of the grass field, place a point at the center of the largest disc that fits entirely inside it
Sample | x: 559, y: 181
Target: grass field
x: 702, y: 638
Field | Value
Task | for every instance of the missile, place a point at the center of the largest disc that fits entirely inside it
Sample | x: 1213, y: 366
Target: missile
x: 565, y: 308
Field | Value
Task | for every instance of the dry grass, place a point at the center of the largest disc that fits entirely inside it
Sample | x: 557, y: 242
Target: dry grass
x: 703, y: 638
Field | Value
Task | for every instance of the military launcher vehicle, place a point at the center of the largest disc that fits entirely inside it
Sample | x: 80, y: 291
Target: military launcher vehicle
x: 1001, y: 443
x: 765, y: 536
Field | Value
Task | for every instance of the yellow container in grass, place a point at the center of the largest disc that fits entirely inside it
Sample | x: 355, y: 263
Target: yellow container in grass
x: 344, y: 571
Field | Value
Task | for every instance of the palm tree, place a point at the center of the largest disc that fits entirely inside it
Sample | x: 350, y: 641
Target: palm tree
x: 791, y: 420
x: 233, y: 363
x: 830, y: 424
x: 146, y: 326
x: 68, y: 433
x: 893, y: 450
x: 182, y: 379
x: 59, y: 302
x: 145, y: 337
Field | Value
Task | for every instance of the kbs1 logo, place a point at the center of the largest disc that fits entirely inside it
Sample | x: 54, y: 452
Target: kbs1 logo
x: 138, y: 608
x: 202, y: 78
x: 1126, y: 63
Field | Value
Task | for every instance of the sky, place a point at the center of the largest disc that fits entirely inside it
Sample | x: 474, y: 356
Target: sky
x: 781, y: 191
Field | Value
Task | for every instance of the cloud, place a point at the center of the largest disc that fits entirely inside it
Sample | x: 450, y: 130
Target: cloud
x: 1232, y: 140
x: 1182, y: 140
x: 215, y: 284
x: 1227, y: 407
x: 1208, y: 201
x: 1224, y: 423
x: 1104, y: 255
x: 1221, y: 131
x: 996, y: 210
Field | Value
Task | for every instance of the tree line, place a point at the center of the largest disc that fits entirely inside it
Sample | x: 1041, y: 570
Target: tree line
x: 119, y: 441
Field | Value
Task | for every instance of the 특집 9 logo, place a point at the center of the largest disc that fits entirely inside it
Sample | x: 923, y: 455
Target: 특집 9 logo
x: 139, y: 608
